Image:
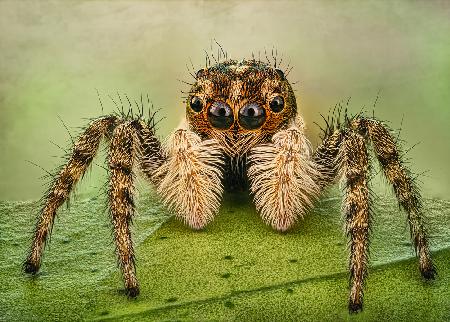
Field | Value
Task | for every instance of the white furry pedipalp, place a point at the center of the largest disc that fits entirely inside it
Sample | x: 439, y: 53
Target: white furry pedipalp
x: 190, y: 181
x: 283, y: 177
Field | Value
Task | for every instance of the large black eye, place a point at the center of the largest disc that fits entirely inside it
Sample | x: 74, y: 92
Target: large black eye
x: 196, y: 104
x: 252, y: 116
x: 220, y: 115
x: 277, y: 104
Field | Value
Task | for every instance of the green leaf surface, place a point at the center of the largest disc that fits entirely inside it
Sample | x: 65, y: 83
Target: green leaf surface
x: 235, y: 269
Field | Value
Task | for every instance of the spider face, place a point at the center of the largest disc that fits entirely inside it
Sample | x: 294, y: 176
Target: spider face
x: 240, y: 103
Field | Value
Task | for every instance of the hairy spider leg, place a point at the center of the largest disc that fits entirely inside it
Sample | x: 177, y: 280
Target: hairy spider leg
x: 132, y: 142
x: 283, y: 178
x: 344, y: 154
x: 406, y: 191
x: 329, y: 156
x: 354, y: 166
x: 121, y: 160
x: 84, y: 151
x: 151, y: 155
x: 190, y: 181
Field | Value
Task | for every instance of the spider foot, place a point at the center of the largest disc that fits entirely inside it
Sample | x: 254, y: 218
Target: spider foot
x: 30, y: 267
x: 132, y: 292
x: 354, y: 307
x: 429, y: 274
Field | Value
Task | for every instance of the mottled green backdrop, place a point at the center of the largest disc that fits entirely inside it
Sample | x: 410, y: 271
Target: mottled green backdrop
x: 54, y: 55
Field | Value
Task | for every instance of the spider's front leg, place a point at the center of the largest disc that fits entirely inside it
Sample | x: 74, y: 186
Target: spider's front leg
x: 283, y: 178
x: 190, y: 181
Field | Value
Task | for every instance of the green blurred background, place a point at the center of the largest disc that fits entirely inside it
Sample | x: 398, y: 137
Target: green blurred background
x: 54, y: 55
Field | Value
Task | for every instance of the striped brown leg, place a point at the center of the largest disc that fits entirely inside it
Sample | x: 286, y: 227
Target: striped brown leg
x: 122, y: 156
x: 343, y: 153
x: 84, y: 151
x: 151, y: 156
x: 407, y: 193
x: 132, y: 141
x: 330, y: 155
x: 354, y: 166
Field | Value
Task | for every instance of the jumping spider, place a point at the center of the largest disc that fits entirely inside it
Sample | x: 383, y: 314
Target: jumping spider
x: 241, y: 128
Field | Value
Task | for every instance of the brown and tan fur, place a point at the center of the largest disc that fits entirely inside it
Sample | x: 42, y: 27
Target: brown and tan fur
x: 274, y: 159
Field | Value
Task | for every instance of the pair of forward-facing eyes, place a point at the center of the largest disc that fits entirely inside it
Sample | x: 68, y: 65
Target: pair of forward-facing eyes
x: 251, y: 116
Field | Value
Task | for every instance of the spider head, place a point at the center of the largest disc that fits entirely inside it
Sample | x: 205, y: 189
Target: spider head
x: 240, y: 103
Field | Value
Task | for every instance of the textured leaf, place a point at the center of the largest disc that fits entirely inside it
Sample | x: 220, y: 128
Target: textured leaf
x: 235, y: 269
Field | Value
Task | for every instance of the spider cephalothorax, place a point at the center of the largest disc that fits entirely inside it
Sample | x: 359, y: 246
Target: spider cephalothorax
x: 241, y: 127
x: 240, y: 103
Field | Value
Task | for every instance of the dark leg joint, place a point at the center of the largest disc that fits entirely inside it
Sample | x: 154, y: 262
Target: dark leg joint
x: 388, y: 158
x: 132, y: 292
x: 30, y: 267
x: 354, y: 307
x: 429, y: 274
x: 123, y: 168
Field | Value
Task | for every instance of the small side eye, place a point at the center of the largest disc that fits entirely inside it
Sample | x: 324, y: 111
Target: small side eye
x: 280, y: 73
x: 200, y: 73
x: 196, y: 104
x: 277, y: 104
